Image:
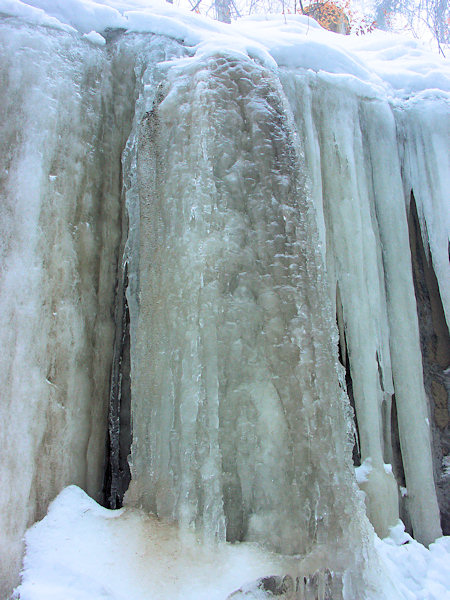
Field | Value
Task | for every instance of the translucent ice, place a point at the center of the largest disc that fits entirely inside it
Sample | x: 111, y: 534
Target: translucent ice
x: 245, y: 193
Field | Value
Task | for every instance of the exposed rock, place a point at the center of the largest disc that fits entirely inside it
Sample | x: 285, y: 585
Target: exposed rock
x: 322, y: 585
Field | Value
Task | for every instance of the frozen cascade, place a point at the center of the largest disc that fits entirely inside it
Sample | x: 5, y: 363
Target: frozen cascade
x: 352, y: 157
x: 423, y: 125
x: 425, y: 171
x: 353, y: 258
x: 197, y: 202
x: 63, y: 127
x: 233, y: 359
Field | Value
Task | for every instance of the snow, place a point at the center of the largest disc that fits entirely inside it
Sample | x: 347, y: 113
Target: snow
x: 363, y: 471
x: 393, y: 63
x: 81, y: 551
x: 95, y: 38
x: 420, y: 573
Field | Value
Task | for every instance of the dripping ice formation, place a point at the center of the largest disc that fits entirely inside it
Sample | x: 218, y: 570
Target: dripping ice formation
x: 234, y: 391
x: 221, y: 225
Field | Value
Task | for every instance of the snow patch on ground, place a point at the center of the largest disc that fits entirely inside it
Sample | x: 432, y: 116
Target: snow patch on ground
x: 81, y: 551
x: 419, y: 573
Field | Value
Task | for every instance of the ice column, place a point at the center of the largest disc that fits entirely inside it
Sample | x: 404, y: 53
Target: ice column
x: 239, y: 425
x: 357, y: 188
x: 402, y: 313
x: 329, y: 123
x: 423, y: 130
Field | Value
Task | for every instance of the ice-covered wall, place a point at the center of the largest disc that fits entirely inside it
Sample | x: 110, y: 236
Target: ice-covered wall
x: 233, y: 357
x: 62, y: 129
x: 231, y: 228
x: 356, y: 178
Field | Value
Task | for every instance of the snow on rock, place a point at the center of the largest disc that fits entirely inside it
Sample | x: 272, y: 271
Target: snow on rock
x: 95, y: 38
x: 395, y: 62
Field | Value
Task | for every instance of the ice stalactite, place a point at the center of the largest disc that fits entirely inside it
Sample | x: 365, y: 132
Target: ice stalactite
x: 239, y: 424
x: 403, y: 325
x: 423, y: 135
x: 423, y: 128
x: 357, y: 188
x: 341, y: 187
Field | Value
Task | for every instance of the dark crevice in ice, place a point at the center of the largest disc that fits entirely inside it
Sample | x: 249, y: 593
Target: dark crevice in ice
x: 380, y: 372
x: 117, y: 474
x: 118, y: 443
x: 385, y: 414
x: 112, y: 34
x: 236, y: 528
x: 398, y: 468
x: 345, y: 362
x: 435, y: 347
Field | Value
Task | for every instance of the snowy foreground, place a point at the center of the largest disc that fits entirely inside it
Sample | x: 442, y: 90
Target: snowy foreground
x: 81, y: 551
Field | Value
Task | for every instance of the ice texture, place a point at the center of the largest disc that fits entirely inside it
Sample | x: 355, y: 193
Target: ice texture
x: 234, y: 372
x: 61, y: 133
x: 354, y: 165
x: 423, y: 131
x: 239, y: 198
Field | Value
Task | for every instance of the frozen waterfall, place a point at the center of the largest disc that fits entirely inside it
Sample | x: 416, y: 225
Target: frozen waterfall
x: 222, y: 273
x: 233, y: 359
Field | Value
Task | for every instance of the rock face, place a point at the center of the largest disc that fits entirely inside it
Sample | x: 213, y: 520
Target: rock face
x: 435, y: 345
x: 165, y: 228
x: 322, y: 585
